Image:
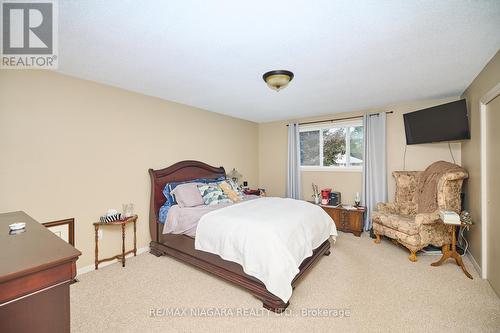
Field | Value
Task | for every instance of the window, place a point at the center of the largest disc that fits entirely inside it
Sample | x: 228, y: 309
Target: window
x: 332, y: 146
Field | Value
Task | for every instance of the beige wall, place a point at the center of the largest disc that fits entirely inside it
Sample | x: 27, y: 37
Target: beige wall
x: 273, y: 154
x: 471, y: 150
x: 74, y: 148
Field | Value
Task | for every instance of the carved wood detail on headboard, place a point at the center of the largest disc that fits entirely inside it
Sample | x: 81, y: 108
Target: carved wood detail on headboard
x: 178, y: 172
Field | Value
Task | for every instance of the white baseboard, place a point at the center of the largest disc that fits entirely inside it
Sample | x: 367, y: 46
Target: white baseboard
x: 474, y: 263
x: 90, y: 268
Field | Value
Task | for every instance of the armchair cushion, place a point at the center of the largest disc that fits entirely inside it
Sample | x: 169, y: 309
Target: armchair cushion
x: 427, y: 218
x: 404, y: 224
x: 406, y: 208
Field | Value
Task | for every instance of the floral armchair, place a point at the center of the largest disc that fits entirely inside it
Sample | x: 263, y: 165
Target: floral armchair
x: 400, y: 221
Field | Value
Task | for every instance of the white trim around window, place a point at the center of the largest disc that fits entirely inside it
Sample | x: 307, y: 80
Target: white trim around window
x: 340, y: 123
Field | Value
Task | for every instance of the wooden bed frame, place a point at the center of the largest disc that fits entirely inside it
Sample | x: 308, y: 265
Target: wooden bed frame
x: 182, y: 248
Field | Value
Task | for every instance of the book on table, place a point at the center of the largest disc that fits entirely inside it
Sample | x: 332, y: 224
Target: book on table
x: 449, y: 217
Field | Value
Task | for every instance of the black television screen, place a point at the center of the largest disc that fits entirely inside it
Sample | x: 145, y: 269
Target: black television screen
x: 447, y: 122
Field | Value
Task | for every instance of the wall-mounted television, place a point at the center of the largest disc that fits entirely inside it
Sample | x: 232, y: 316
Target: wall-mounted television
x: 446, y: 122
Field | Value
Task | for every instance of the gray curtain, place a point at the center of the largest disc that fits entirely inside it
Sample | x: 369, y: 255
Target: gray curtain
x: 375, y: 164
x: 293, y: 189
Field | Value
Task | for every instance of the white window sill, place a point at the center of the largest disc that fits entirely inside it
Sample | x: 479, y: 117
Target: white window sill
x: 331, y: 169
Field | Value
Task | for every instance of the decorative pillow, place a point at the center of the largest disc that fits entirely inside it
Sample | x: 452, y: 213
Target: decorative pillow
x: 162, y: 214
x: 166, y: 192
x: 170, y: 200
x: 169, y: 187
x: 236, y: 188
x: 227, y: 189
x: 212, y: 194
x: 187, y: 195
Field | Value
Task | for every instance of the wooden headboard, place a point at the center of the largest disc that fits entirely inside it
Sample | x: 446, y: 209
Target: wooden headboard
x: 178, y: 172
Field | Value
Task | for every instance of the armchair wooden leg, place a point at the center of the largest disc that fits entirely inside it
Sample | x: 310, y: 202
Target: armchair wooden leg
x: 377, y: 239
x: 445, y: 248
x: 413, y: 256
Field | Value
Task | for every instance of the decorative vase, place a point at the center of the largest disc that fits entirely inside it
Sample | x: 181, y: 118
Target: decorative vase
x: 128, y: 210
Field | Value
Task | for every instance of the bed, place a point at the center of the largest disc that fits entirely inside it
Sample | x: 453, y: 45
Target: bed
x: 182, y: 247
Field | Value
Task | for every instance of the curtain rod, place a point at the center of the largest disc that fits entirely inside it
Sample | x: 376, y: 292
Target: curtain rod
x: 338, y: 119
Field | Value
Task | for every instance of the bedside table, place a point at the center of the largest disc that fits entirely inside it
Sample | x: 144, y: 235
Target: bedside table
x: 121, y: 256
x: 346, y: 220
x: 452, y: 253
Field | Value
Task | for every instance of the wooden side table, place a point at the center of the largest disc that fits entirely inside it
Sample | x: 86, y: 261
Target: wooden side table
x: 120, y: 257
x: 346, y: 220
x: 452, y: 253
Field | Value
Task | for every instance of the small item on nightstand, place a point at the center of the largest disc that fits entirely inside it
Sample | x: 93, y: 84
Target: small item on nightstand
x: 248, y: 191
x: 357, y: 200
x: 335, y: 198
x: 17, y: 226
x: 128, y: 210
x: 245, y: 184
x: 111, y: 215
x: 325, y: 196
x: 449, y: 217
x: 17, y: 232
x: 466, y: 219
x: 315, y: 194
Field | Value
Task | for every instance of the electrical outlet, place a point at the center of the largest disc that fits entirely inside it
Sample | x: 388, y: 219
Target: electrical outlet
x: 99, y: 234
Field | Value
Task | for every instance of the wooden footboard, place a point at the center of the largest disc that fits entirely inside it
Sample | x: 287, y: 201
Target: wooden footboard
x: 182, y: 248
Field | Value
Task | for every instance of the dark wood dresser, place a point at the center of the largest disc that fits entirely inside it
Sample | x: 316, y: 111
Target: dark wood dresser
x: 346, y: 220
x: 36, y: 269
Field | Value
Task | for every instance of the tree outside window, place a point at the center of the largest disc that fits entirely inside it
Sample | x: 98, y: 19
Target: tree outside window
x: 335, y: 146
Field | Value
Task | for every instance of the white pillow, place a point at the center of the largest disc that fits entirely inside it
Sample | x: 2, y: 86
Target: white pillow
x: 187, y: 195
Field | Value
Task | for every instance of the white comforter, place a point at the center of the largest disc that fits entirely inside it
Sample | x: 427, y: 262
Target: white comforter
x: 268, y: 237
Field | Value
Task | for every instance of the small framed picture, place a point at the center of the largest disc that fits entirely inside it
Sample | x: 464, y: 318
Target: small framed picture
x: 65, y: 229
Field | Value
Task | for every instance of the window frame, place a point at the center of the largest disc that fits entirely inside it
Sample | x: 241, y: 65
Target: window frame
x: 335, y: 124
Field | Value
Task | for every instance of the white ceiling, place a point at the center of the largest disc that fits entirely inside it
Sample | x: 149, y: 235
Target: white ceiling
x: 346, y: 55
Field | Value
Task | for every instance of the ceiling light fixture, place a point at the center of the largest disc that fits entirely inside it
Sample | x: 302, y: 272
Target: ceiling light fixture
x: 278, y: 79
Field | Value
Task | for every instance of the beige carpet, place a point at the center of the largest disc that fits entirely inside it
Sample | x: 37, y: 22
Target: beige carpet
x: 380, y: 288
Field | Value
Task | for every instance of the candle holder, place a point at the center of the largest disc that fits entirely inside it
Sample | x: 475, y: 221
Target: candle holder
x: 357, y: 200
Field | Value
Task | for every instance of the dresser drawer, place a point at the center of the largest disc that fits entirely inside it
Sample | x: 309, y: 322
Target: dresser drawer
x: 346, y: 220
x: 35, y: 281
